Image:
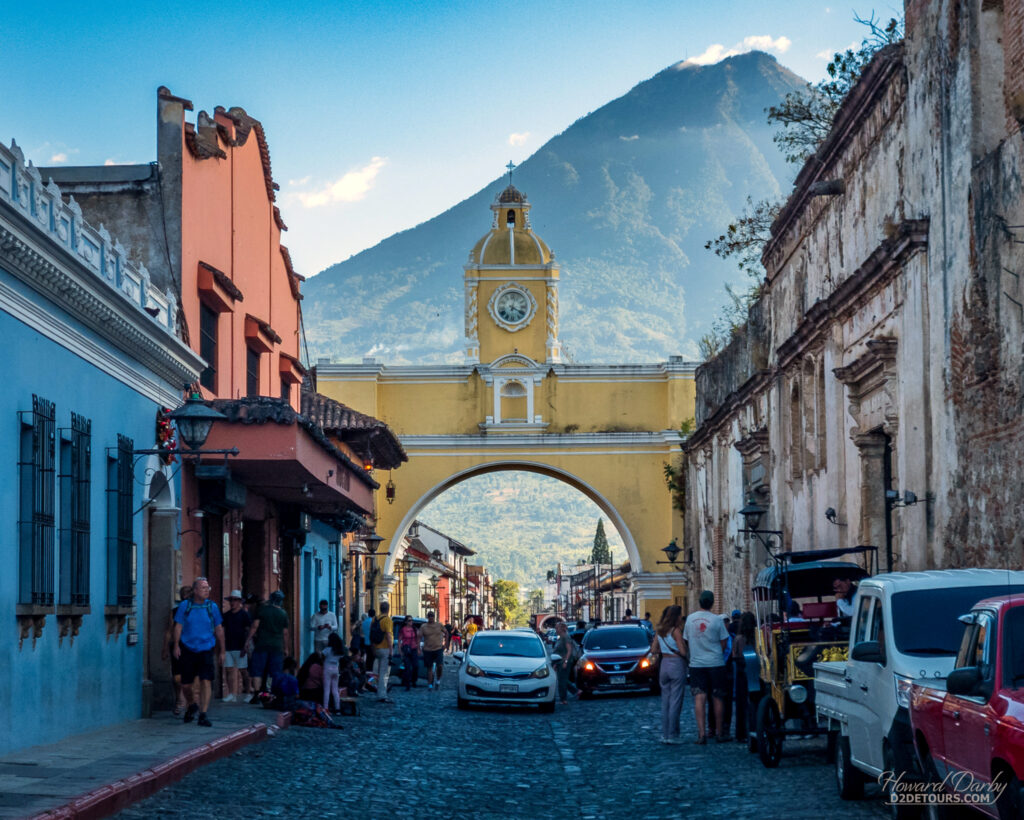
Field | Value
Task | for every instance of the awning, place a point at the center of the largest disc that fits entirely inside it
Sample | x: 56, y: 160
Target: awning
x: 283, y: 459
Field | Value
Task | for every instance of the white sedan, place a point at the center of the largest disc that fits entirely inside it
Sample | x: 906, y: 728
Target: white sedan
x: 507, y: 667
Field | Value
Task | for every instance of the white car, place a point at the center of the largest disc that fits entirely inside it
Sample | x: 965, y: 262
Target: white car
x: 507, y: 667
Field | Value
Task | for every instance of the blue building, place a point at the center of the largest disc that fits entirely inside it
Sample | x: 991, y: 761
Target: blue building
x: 90, y: 530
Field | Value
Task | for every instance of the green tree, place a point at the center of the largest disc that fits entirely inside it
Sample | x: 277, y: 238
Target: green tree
x: 600, y: 554
x: 806, y: 116
x: 536, y: 601
x: 506, y: 601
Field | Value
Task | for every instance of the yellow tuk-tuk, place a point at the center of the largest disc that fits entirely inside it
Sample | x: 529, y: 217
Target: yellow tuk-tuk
x: 796, y: 627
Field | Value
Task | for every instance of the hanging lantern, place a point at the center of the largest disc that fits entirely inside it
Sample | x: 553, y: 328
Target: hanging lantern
x: 389, y: 490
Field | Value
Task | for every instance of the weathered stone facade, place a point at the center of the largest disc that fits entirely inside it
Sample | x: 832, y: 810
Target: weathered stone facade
x: 885, y: 353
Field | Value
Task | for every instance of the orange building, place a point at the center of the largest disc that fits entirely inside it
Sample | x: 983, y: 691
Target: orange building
x: 202, y: 223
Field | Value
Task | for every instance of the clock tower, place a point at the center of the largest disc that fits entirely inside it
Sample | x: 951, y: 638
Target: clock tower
x: 511, y: 284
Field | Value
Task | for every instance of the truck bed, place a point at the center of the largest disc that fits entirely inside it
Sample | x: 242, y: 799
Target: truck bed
x: 830, y: 690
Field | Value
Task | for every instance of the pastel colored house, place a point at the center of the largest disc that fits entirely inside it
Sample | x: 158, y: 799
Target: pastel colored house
x: 203, y: 219
x: 93, y: 360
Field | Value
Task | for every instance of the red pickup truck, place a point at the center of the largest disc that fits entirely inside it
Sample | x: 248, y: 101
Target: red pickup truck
x: 969, y: 728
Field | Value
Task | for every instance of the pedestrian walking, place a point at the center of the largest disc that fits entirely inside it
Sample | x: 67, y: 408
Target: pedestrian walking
x: 197, y: 630
x: 433, y: 635
x: 236, y: 628
x: 456, y: 638
x: 382, y: 637
x: 744, y: 638
x: 268, y: 637
x: 705, y: 638
x: 167, y: 653
x: 565, y: 648
x: 409, y: 645
x: 448, y: 638
x: 333, y: 654
x: 368, y: 619
x: 668, y: 644
x: 322, y: 623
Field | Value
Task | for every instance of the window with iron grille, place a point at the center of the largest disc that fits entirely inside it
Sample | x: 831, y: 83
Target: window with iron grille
x: 120, y: 559
x: 252, y: 372
x: 208, y: 346
x: 75, y: 496
x: 36, y: 518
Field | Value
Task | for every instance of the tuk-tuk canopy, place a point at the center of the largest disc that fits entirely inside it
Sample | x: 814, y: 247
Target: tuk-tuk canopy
x: 808, y: 573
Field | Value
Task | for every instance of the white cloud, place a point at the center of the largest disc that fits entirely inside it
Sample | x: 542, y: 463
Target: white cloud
x: 630, y: 139
x: 298, y: 183
x: 111, y: 161
x: 61, y: 157
x: 716, y: 52
x: 516, y: 139
x: 824, y: 55
x: 351, y: 187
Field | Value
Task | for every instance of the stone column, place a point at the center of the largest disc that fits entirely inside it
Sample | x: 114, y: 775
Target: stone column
x: 871, y: 447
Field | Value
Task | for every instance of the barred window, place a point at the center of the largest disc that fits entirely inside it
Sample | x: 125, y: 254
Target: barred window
x: 120, y: 558
x: 75, y: 495
x: 36, y: 516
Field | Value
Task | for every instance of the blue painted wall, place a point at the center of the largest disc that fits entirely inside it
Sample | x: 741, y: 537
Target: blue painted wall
x: 50, y: 691
x: 317, y: 580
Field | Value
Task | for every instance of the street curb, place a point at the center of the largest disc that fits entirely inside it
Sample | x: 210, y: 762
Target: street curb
x: 116, y: 796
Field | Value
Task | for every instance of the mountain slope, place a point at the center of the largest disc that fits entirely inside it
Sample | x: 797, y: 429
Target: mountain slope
x: 626, y: 197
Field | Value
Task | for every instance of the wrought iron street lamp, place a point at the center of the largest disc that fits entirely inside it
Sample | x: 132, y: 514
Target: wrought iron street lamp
x: 193, y: 421
x: 752, y: 514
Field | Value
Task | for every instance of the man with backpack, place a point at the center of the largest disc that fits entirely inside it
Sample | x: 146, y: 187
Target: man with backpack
x: 197, y: 630
x: 382, y: 637
x: 268, y: 637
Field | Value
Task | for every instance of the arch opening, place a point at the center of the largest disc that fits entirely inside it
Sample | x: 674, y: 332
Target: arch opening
x: 615, y: 519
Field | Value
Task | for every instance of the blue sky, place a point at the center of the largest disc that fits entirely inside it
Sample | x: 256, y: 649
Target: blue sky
x: 379, y: 115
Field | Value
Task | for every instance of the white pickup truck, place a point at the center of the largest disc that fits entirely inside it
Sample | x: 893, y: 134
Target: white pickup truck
x: 905, y: 626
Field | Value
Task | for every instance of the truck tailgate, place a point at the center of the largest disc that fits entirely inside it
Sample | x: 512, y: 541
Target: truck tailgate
x: 830, y: 689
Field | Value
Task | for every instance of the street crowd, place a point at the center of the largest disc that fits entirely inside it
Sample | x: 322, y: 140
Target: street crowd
x: 248, y: 640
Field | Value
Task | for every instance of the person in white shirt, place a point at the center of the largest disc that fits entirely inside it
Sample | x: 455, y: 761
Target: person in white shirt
x: 844, y: 589
x: 322, y: 624
x: 706, y: 639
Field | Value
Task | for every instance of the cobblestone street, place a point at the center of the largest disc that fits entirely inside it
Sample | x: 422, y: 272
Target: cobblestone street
x: 599, y: 758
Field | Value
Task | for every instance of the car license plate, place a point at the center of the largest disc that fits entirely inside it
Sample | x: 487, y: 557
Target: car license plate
x: 508, y: 687
x: 616, y: 680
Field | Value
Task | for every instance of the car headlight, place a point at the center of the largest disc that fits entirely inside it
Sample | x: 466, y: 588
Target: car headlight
x: 540, y: 672
x: 588, y: 666
x: 474, y: 671
x: 903, y: 690
x: 797, y: 693
x: 647, y: 661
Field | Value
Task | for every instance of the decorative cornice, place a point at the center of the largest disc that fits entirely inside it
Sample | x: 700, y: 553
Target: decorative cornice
x: 848, y: 121
x: 48, y: 246
x: 662, y: 439
x: 753, y: 444
x: 880, y: 353
x: 884, y: 263
x: 733, y: 402
x: 46, y: 322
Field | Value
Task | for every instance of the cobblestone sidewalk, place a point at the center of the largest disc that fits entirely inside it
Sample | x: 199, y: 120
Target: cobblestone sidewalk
x: 44, y: 778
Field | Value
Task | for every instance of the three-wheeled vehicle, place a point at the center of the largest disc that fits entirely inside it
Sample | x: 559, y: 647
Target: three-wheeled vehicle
x: 780, y: 669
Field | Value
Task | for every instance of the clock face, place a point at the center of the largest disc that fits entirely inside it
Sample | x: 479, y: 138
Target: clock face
x: 513, y: 306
